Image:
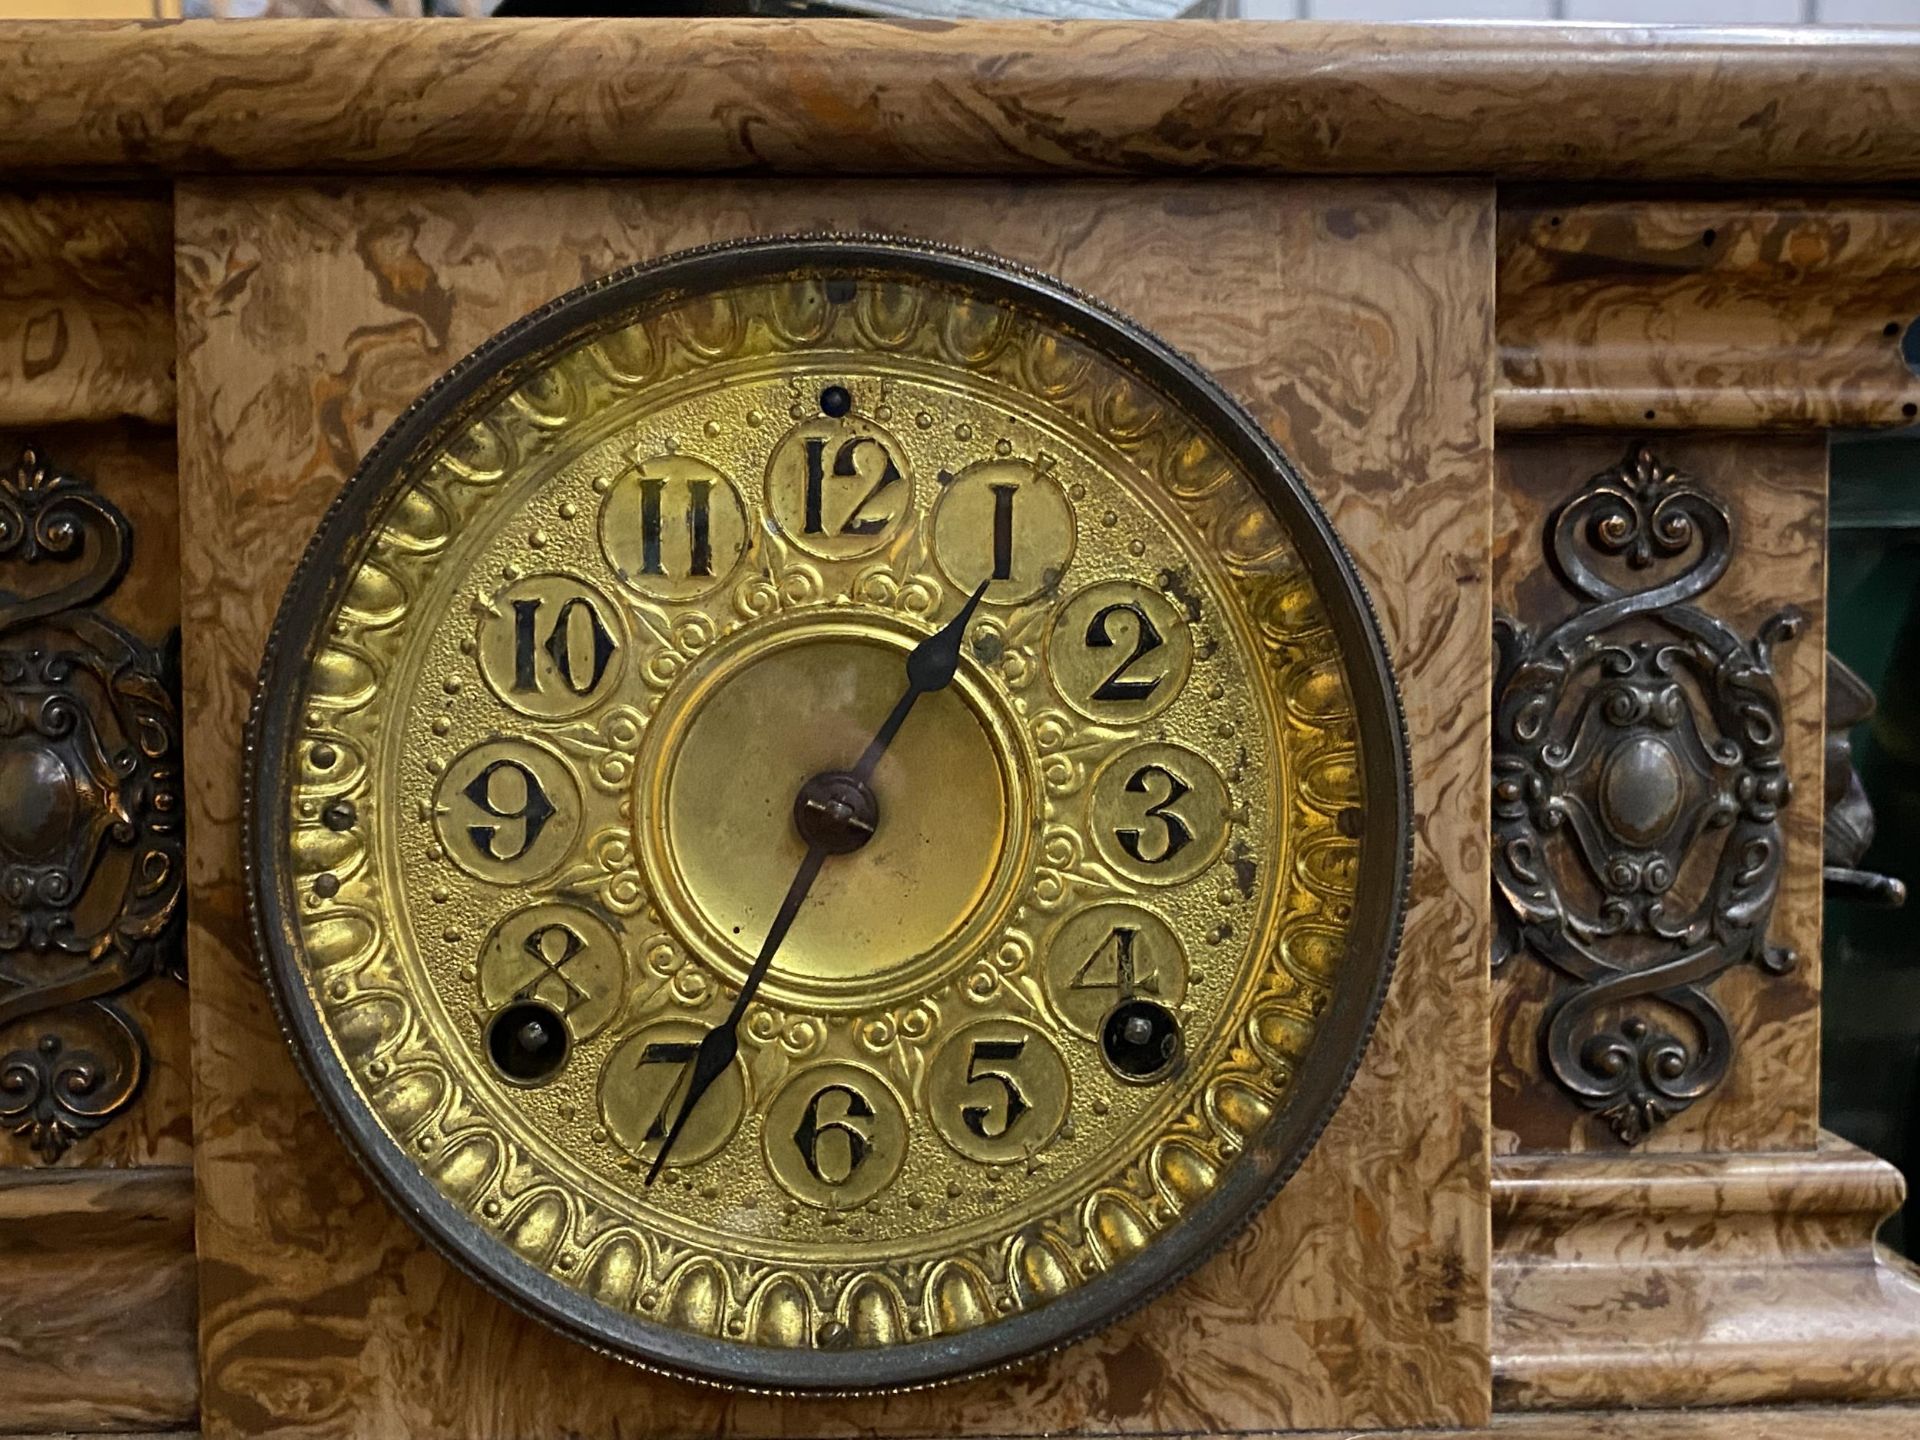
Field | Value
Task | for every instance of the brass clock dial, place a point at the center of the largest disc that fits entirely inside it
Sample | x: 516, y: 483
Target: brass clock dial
x: 827, y: 814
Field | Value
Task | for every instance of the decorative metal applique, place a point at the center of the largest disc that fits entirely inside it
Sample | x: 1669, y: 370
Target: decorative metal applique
x: 1637, y: 789
x: 90, y: 813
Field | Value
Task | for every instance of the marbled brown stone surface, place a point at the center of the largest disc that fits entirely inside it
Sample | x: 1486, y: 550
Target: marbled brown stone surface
x: 97, y: 1271
x: 86, y: 359
x: 86, y: 306
x: 97, y: 1326
x: 1670, y: 1280
x: 1355, y: 321
x: 1682, y: 313
x: 1799, y: 1422
x: 862, y: 97
x: 1775, y: 491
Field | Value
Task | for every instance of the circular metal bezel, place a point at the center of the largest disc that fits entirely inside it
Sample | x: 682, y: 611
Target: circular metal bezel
x: 1380, y: 893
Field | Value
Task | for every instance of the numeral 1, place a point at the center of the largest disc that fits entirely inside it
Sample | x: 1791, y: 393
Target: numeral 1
x: 699, y: 527
x: 816, y: 485
x: 1003, y: 494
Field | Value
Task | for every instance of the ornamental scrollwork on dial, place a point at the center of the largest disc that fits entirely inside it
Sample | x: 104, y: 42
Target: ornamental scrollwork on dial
x: 1637, y: 789
x: 91, y: 844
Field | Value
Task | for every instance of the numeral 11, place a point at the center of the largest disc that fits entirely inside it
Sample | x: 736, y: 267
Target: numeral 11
x: 699, y: 521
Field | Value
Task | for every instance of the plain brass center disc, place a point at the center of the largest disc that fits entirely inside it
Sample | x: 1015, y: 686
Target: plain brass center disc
x: 715, y: 813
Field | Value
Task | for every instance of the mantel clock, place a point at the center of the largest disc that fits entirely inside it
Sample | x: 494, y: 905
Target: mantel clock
x: 827, y: 814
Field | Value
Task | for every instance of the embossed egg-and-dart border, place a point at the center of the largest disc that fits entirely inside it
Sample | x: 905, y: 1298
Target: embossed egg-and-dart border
x: 495, y: 369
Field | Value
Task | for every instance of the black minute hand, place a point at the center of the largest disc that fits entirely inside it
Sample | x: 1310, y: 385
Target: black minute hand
x: 931, y: 666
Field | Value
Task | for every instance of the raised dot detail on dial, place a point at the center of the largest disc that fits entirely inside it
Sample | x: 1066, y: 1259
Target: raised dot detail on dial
x: 1119, y: 652
x: 997, y: 1091
x: 1159, y: 814
x: 835, y: 1136
x: 1107, y: 953
x: 507, y: 810
x: 550, y: 646
x: 673, y: 527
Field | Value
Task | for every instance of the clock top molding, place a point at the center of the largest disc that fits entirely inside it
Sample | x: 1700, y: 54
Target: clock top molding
x: 1539, y: 102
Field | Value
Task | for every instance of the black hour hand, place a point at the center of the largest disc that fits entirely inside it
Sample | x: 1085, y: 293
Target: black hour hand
x: 717, y: 1049
x: 931, y: 666
x: 933, y: 662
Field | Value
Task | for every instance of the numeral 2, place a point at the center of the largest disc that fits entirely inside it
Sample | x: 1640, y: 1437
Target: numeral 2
x: 1146, y: 639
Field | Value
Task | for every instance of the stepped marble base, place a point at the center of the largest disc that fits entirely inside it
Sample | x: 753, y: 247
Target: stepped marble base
x: 1693, y: 1280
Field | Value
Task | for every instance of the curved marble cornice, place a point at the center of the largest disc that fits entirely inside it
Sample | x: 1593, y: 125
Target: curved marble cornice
x: 867, y: 97
x: 1692, y: 312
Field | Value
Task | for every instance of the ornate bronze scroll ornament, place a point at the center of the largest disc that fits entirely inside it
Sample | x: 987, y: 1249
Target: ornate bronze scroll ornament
x: 90, y: 813
x: 1637, y: 789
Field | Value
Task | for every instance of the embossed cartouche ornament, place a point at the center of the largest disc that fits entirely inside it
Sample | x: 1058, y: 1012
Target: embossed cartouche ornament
x: 1638, y: 779
x: 91, y: 835
x: 827, y: 814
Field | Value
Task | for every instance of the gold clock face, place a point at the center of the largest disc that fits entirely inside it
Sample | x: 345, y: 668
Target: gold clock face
x: 827, y: 814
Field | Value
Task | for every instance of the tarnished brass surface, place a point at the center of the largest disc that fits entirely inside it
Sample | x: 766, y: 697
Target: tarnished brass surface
x: 528, y: 754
